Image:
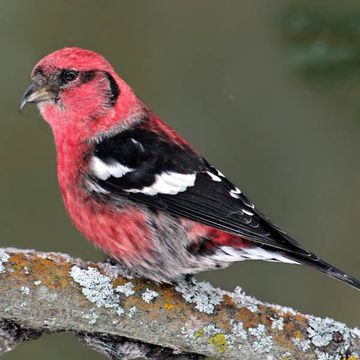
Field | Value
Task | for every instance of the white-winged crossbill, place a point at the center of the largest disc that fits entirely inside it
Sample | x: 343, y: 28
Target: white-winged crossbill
x: 139, y: 191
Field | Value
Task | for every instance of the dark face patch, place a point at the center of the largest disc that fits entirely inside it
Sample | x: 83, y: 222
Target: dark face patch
x: 64, y: 78
x: 114, y: 89
x: 39, y: 71
x: 86, y: 76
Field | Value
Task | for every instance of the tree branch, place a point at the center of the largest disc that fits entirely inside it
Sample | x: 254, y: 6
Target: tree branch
x: 125, y: 318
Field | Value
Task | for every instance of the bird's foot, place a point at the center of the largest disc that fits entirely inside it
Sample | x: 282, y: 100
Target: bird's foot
x: 116, y: 268
x: 187, y: 279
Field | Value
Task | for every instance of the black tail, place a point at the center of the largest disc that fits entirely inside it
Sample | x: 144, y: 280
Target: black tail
x: 316, y: 263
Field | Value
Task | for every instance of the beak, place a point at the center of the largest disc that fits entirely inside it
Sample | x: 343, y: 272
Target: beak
x: 34, y: 94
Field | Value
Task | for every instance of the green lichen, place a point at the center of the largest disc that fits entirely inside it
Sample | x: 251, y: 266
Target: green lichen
x: 199, y: 333
x: 219, y: 342
x: 352, y: 357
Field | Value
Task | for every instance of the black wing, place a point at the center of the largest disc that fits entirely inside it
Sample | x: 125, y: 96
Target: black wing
x: 146, y: 167
x: 147, y: 164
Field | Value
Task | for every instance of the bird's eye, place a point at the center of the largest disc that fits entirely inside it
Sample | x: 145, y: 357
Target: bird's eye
x: 69, y: 75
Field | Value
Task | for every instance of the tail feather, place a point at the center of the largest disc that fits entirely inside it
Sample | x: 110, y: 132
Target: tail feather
x: 316, y: 263
x: 303, y: 257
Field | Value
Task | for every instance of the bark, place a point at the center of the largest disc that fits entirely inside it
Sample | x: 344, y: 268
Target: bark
x: 127, y: 318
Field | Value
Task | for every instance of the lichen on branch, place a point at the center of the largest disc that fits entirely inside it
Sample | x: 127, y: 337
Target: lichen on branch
x: 49, y: 292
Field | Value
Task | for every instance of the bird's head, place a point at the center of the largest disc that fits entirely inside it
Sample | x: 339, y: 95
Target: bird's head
x: 79, y: 91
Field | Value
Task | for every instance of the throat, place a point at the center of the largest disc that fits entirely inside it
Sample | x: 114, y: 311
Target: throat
x: 71, y: 163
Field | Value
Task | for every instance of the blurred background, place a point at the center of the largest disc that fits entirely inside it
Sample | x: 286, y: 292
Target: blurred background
x: 267, y: 91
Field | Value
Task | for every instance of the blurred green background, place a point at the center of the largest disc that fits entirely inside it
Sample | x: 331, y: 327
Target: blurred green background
x: 268, y: 91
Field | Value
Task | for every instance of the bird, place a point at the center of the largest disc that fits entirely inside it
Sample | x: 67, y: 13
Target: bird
x: 139, y: 191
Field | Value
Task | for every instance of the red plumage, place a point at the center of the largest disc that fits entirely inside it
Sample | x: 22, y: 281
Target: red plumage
x: 137, y: 189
